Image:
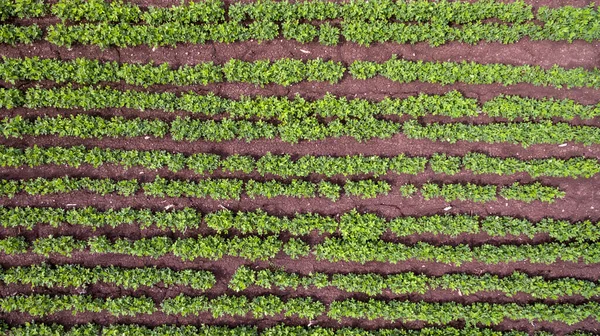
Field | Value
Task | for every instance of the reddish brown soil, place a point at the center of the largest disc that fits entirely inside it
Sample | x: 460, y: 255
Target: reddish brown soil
x: 582, y: 200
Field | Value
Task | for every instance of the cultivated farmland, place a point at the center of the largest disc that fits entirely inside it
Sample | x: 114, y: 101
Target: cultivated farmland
x: 299, y: 167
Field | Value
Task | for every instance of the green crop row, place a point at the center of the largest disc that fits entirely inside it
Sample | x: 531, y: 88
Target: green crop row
x: 214, y: 188
x: 332, y: 249
x: 306, y: 308
x: 452, y: 104
x: 436, y: 34
x: 208, y: 247
x: 260, y: 306
x: 90, y: 329
x: 44, y: 186
x: 11, y: 34
x: 43, y: 305
x: 284, y: 71
x: 174, y: 26
x: 363, y: 22
x: 289, y: 71
x: 172, y: 33
x: 206, y: 11
x: 309, y: 129
x: 280, y: 165
x: 355, y: 250
x: 22, y: 9
x: 303, y: 166
x: 446, y: 73
x: 407, y: 11
x: 364, y: 33
x: 458, y: 12
x: 524, y: 134
x: 409, y: 282
x: 28, y: 218
x: 129, y: 278
x: 187, y: 129
x: 368, y: 226
x: 233, y: 188
x: 214, y: 11
x: 473, y: 314
x: 350, y: 225
x: 487, y: 193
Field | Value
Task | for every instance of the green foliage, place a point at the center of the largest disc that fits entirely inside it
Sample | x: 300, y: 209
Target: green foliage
x: 532, y: 192
x: 329, y: 190
x: 303, y: 166
x: 28, y: 218
x: 259, y: 306
x: 43, y: 186
x: 367, y: 188
x: 96, y: 10
x: 407, y: 190
x: 444, y: 164
x: 263, y: 30
x: 455, y: 191
x: 335, y: 250
x: 570, y: 23
x: 206, y: 11
x: 487, y: 193
x: 446, y: 73
x: 22, y: 9
x: 186, y: 129
x: 92, y: 71
x: 407, y: 283
x: 350, y: 225
x: 208, y: 247
x: 260, y: 222
x: 301, y: 32
x: 476, y: 313
x: 420, y: 11
x: 332, y: 249
x: 513, y: 107
x: 34, y: 328
x: 328, y: 34
x: 296, y: 248
x: 524, y: 133
x: 216, y: 189
x: 171, y: 330
x: 38, y: 305
x: 277, y: 330
x: 452, y: 104
x: 364, y: 22
x: 357, y: 226
x: 83, y: 126
x: 11, y: 34
x: 439, y: 33
x: 171, y: 33
x: 283, y: 71
x: 575, y: 167
x: 269, y: 305
x: 13, y: 245
x: 43, y: 275
x: 290, y: 71
x: 270, y: 189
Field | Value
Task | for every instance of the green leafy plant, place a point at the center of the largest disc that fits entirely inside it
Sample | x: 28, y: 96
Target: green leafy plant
x: 406, y: 283
x: 280, y: 329
x: 78, y: 276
